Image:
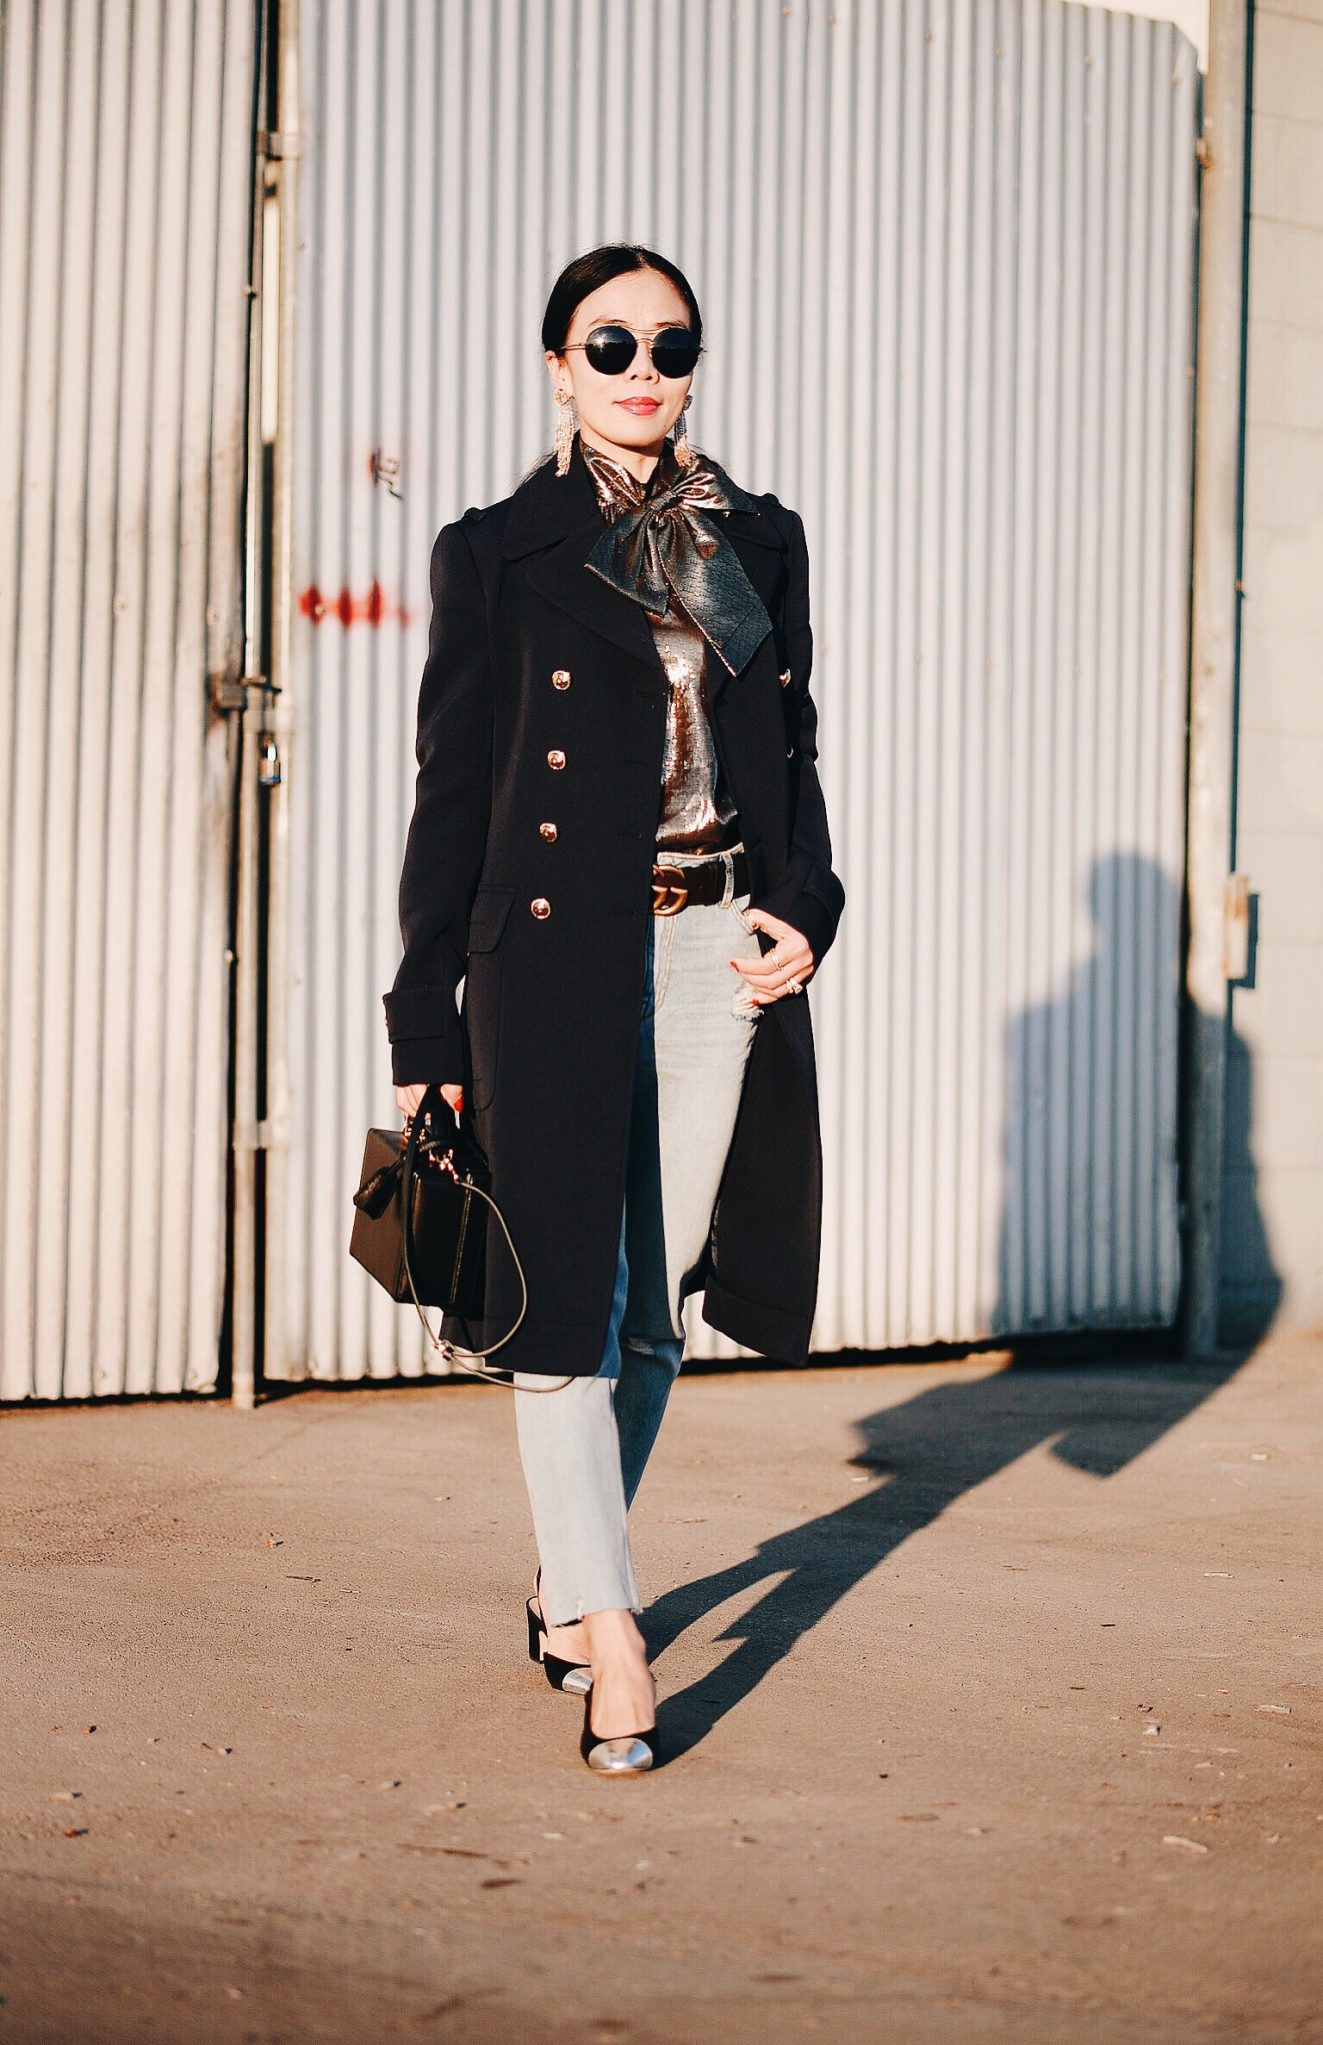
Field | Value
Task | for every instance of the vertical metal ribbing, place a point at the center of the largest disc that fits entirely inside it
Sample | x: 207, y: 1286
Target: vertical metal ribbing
x: 125, y: 140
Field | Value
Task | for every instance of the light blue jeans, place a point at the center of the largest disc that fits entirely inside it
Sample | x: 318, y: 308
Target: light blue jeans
x: 584, y: 1446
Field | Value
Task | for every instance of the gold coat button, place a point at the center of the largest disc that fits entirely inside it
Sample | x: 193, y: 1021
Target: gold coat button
x: 555, y: 758
x: 560, y: 678
x: 541, y: 908
x: 549, y: 832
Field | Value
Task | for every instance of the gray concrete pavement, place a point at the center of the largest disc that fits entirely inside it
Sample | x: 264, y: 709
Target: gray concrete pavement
x: 992, y: 1696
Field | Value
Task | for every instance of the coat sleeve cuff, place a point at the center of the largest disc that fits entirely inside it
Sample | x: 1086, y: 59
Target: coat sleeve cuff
x: 807, y: 910
x: 425, y: 1061
x: 426, y: 1037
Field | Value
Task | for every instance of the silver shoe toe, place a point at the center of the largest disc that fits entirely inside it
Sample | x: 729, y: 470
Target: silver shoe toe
x: 577, y: 1681
x: 620, y: 1757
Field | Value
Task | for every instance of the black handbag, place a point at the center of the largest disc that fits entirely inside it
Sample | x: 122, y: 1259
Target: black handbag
x: 418, y: 1222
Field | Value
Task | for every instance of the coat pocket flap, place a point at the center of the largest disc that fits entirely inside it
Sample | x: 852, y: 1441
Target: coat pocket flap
x: 491, y: 907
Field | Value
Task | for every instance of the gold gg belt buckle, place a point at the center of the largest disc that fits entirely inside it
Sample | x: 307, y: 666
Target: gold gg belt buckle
x: 670, y: 890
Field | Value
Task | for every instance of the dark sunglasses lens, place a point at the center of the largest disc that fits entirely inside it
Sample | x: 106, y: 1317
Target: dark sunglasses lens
x: 674, y: 352
x: 610, y: 349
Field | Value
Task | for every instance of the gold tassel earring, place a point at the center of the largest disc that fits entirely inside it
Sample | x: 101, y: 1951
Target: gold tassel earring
x: 566, y: 424
x: 684, y: 453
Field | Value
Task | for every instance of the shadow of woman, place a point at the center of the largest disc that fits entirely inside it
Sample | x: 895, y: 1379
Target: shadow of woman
x: 926, y: 1453
x: 1090, y: 1155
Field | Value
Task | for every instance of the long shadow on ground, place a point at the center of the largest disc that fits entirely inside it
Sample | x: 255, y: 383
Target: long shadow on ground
x: 926, y: 1453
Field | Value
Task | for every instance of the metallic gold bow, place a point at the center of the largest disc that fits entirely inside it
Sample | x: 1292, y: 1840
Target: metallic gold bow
x: 663, y: 542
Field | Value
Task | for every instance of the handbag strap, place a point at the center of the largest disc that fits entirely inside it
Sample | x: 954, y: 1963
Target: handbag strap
x: 451, y: 1352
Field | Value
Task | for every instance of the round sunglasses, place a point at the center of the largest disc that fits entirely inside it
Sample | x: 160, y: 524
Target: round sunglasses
x: 611, y: 350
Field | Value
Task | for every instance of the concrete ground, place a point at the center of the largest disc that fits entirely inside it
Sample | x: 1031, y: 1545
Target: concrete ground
x: 990, y: 1695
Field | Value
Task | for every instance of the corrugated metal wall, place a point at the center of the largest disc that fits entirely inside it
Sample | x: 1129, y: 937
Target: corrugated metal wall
x: 945, y: 251
x: 125, y: 174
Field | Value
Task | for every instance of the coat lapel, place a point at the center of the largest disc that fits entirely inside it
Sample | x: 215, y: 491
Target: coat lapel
x: 554, y: 524
x: 555, y: 521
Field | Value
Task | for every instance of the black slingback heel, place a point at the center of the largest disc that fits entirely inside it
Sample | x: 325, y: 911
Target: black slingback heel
x: 576, y: 1678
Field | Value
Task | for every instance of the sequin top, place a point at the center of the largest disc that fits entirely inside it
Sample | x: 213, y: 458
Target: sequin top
x: 697, y: 814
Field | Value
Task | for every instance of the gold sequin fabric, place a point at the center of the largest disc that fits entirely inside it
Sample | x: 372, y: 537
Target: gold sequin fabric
x: 697, y: 814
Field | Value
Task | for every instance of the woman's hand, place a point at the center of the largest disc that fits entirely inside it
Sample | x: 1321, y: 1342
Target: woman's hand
x: 407, y: 1098
x: 785, y: 969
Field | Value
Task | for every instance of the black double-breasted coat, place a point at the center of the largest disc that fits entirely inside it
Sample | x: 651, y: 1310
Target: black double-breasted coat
x: 541, y: 725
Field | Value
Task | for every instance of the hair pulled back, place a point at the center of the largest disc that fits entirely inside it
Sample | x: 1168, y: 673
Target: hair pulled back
x: 587, y: 272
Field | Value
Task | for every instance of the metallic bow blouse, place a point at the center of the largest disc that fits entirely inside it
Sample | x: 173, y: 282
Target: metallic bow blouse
x: 653, y: 548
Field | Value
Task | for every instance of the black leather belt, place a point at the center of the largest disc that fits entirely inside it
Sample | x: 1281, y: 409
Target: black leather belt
x: 676, y: 886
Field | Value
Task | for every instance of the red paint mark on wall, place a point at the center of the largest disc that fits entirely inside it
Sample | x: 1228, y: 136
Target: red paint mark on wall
x: 376, y: 608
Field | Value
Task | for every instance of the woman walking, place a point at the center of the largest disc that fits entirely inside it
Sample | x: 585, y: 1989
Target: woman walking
x: 619, y: 845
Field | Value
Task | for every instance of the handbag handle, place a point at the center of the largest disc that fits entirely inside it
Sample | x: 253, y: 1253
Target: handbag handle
x: 451, y: 1352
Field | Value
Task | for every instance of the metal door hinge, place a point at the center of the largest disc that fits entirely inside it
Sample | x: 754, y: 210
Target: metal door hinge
x: 229, y: 692
x: 277, y: 145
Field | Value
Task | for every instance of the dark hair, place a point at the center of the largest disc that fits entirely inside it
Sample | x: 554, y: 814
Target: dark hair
x: 599, y: 266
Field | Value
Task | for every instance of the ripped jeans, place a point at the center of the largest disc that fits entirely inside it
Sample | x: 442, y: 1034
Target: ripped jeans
x: 584, y: 1447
